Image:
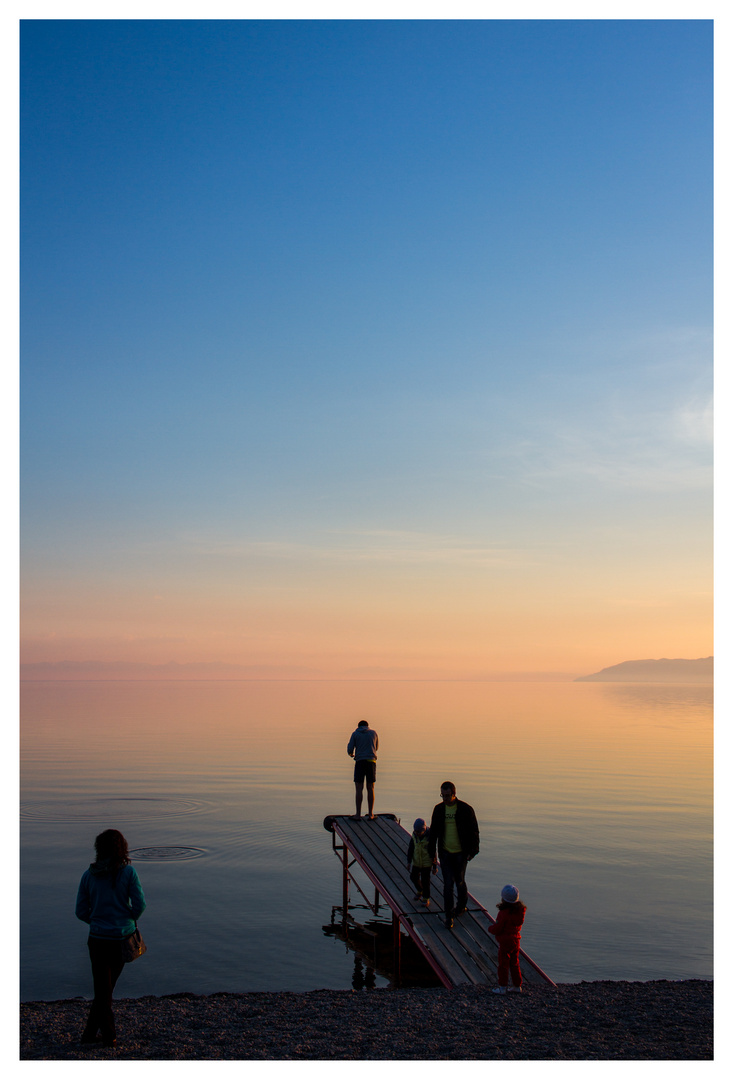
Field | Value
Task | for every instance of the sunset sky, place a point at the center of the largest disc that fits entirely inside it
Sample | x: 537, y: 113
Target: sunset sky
x: 366, y: 348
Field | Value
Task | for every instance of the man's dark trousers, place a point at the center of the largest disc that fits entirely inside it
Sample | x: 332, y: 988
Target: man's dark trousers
x: 453, y: 864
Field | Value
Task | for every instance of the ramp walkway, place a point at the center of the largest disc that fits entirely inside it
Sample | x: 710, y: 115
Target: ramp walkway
x: 464, y: 955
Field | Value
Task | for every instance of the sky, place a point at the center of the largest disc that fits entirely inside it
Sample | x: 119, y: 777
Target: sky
x: 366, y: 348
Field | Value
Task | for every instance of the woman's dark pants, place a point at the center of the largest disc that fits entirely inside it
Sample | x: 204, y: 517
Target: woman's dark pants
x: 107, y: 963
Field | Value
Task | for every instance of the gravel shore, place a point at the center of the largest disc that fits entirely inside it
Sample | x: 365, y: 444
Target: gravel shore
x: 589, y: 1020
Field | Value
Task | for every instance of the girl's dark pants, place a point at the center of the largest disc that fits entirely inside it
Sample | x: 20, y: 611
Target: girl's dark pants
x: 421, y: 880
x: 107, y: 963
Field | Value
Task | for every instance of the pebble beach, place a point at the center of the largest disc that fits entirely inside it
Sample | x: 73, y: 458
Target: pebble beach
x: 659, y: 1020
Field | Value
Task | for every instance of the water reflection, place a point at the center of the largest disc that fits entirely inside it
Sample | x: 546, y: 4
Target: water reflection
x: 687, y: 701
x: 372, y: 945
x: 603, y: 790
x: 364, y: 977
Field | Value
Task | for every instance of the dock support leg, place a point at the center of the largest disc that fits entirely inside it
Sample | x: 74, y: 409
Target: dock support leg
x: 376, y: 901
x: 345, y: 885
x: 397, y: 947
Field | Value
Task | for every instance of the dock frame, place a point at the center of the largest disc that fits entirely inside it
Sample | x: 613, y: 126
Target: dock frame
x: 464, y: 955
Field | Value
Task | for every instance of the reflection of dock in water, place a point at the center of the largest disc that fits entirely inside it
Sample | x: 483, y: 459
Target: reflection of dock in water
x: 372, y: 945
x: 463, y: 955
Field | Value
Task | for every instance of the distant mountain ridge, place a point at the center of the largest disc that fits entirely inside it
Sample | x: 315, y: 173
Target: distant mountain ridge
x: 664, y: 670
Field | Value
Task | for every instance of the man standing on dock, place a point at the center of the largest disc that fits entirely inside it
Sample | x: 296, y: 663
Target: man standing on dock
x: 362, y: 747
x: 454, y: 829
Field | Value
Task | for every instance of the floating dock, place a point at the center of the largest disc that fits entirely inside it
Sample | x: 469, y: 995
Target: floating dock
x: 464, y: 955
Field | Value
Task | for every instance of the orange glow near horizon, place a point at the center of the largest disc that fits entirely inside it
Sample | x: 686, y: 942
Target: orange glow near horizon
x: 556, y: 611
x: 453, y: 639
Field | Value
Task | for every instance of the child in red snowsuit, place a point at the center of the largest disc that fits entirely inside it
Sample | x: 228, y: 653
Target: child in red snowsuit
x: 507, y: 930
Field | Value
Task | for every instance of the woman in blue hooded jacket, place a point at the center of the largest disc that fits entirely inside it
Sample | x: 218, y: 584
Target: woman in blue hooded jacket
x: 110, y: 900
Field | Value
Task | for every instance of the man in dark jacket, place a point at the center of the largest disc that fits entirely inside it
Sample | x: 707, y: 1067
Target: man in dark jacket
x: 454, y: 831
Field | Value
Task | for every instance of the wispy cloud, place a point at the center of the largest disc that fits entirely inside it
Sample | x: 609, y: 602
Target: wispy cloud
x: 694, y: 422
x: 642, y: 419
x: 366, y: 546
x: 621, y: 447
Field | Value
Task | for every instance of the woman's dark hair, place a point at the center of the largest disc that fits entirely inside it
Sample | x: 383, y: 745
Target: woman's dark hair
x: 504, y: 905
x: 111, y: 849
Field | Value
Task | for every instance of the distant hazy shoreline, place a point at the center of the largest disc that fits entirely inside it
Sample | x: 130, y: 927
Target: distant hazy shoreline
x: 699, y: 671
x: 661, y: 671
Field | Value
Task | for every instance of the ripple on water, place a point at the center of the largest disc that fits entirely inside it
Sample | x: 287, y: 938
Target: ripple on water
x: 166, y: 854
x: 112, y: 808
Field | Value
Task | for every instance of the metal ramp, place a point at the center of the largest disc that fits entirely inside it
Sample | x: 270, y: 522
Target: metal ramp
x: 466, y: 954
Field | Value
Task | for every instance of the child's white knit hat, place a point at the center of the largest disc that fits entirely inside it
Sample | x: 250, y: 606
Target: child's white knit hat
x: 510, y: 894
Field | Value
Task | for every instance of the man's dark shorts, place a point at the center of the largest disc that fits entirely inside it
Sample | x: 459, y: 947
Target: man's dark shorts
x: 365, y: 770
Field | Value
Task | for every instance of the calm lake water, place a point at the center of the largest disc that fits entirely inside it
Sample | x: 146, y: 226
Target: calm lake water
x: 594, y: 799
